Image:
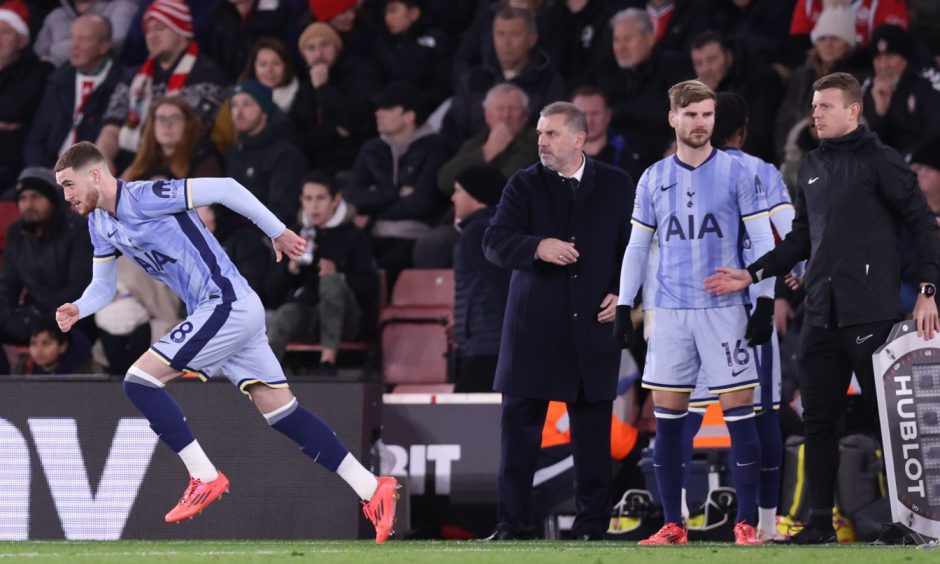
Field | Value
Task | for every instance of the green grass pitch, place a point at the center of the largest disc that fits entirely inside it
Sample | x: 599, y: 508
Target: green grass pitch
x: 420, y: 552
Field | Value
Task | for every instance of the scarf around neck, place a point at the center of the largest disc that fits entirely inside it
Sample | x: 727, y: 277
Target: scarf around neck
x: 141, y: 94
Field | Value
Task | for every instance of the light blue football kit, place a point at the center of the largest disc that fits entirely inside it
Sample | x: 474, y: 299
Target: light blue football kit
x: 697, y: 216
x: 155, y: 224
x: 767, y: 180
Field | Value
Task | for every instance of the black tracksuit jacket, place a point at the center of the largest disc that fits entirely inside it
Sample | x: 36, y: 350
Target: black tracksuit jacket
x: 853, y: 195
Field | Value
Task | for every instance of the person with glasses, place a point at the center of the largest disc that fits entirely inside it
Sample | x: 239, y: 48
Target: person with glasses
x: 171, y: 146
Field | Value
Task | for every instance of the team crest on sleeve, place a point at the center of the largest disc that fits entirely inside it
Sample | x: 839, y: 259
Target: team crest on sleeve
x: 165, y: 189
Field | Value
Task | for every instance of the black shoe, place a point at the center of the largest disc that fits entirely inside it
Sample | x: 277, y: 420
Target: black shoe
x: 326, y: 369
x: 813, y: 535
x: 504, y: 535
x: 896, y: 534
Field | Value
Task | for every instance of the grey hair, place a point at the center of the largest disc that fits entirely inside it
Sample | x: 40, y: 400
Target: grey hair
x: 637, y: 15
x: 574, y: 117
x: 504, y: 88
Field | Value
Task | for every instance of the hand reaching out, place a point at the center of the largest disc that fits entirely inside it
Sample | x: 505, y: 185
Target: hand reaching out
x: 727, y: 280
x: 290, y: 243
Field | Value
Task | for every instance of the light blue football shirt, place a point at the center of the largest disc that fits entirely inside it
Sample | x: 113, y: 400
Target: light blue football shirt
x: 769, y: 181
x: 155, y: 225
x: 697, y: 215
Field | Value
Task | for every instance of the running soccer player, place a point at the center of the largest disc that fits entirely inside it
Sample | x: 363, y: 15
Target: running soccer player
x: 154, y: 223
x: 728, y: 136
x: 696, y: 203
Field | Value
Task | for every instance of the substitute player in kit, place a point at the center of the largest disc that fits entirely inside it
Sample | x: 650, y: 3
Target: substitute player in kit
x: 154, y: 223
x: 729, y: 136
x: 696, y: 203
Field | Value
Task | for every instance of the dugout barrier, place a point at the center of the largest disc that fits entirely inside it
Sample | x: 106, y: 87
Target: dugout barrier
x: 77, y: 461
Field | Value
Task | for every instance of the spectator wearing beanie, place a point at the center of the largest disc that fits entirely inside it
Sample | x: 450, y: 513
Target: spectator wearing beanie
x: 902, y: 101
x: 332, y: 113
x: 262, y: 160
x: 925, y: 161
x: 22, y: 79
x: 393, y: 179
x: 869, y: 15
x: 47, y: 259
x: 53, y: 42
x: 357, y: 33
x: 833, y: 44
x: 174, y: 67
x: 480, y: 287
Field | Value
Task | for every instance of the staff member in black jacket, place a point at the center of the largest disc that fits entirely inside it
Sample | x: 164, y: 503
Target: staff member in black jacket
x: 853, y: 193
x: 561, y: 226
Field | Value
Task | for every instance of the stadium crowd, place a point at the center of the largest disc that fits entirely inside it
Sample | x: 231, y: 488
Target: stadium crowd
x: 367, y: 112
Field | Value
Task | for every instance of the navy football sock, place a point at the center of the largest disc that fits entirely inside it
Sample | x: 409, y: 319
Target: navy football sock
x: 745, y: 460
x: 667, y: 460
x: 693, y: 422
x: 315, y: 437
x: 771, y: 457
x: 161, y: 410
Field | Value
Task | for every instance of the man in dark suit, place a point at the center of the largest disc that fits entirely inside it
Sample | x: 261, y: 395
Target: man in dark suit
x: 562, y: 226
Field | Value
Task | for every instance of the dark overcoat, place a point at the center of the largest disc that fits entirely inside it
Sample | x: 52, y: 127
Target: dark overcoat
x: 552, y: 344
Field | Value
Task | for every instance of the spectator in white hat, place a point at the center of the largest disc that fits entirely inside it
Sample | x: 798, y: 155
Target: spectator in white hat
x: 833, y: 39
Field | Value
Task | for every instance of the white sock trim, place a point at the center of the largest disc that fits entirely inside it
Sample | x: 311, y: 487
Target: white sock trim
x: 733, y: 418
x: 198, y: 464
x: 767, y: 519
x: 359, y: 479
x: 135, y: 371
x: 280, y: 410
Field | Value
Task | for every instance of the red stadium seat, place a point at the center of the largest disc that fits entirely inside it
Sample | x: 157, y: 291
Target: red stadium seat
x: 8, y: 214
x: 414, y: 352
x: 418, y: 287
x: 414, y: 328
x: 15, y: 353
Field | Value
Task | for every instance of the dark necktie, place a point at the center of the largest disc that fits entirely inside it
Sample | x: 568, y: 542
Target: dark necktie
x: 572, y: 184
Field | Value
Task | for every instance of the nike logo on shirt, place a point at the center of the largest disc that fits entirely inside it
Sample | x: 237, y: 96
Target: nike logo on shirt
x: 748, y: 464
x: 813, y: 179
x: 111, y: 234
x: 664, y: 187
x: 860, y: 340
